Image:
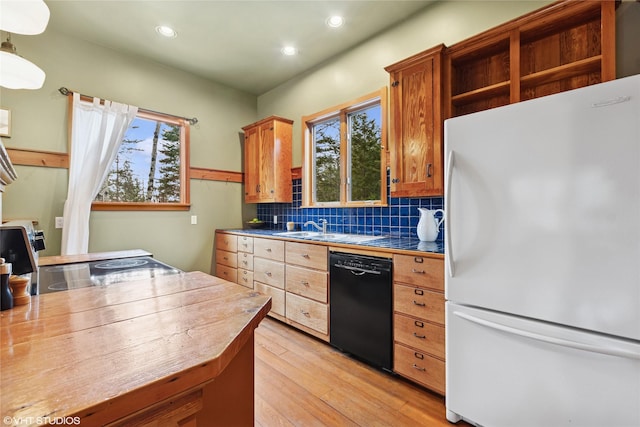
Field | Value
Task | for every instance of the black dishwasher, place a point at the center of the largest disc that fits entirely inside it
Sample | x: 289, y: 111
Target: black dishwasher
x: 361, y: 307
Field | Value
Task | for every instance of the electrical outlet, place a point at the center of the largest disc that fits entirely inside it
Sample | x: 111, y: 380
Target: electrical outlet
x: 59, y: 222
x: 275, y: 219
x: 194, y: 219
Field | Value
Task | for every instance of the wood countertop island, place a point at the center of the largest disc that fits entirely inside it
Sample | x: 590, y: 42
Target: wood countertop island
x: 174, y: 350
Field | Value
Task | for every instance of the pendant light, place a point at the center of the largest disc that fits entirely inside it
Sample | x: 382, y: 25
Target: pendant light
x: 27, y: 17
x: 21, y: 17
x: 15, y: 71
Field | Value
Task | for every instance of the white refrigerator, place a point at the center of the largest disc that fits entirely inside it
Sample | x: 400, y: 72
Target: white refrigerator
x: 542, y: 260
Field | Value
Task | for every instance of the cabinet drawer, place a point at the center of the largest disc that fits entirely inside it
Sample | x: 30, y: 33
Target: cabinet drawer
x: 308, y: 283
x: 227, y: 242
x: 419, y: 302
x: 419, y: 367
x: 230, y: 259
x: 245, y: 244
x: 245, y: 261
x: 277, y: 297
x: 420, y: 335
x: 419, y: 271
x: 268, y: 272
x: 306, y: 255
x: 227, y: 273
x: 245, y: 278
x: 309, y: 313
x: 267, y: 248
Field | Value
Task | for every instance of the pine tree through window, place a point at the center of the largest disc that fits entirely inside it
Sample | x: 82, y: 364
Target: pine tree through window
x: 149, y: 171
x: 345, y: 154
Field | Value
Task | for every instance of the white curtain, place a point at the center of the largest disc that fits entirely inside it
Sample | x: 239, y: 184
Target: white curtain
x: 96, y: 135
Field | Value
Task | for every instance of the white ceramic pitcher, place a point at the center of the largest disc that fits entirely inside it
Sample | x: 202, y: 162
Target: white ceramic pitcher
x: 428, y: 225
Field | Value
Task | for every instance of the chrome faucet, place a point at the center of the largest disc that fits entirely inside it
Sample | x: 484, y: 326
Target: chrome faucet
x: 322, y: 221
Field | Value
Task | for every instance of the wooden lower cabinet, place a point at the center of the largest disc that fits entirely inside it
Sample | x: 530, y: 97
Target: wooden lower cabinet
x: 227, y: 273
x: 419, y: 367
x: 307, y: 286
x: 234, y: 258
x: 418, y: 320
x: 296, y: 277
x: 418, y: 334
x: 277, y: 298
x: 309, y: 313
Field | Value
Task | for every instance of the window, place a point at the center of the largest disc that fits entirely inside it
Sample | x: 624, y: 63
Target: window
x: 344, y: 154
x: 150, y: 169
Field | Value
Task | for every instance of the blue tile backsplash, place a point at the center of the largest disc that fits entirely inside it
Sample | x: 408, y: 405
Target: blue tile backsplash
x: 399, y: 218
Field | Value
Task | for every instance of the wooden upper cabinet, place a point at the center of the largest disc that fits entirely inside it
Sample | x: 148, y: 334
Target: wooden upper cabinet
x: 416, y: 121
x: 267, y: 161
x: 566, y: 45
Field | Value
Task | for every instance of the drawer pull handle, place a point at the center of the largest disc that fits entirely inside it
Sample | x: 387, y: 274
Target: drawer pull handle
x: 418, y: 291
x: 419, y: 368
x: 306, y: 313
x: 422, y: 337
x: 419, y: 304
x: 225, y: 258
x: 304, y: 282
x: 413, y: 270
x: 268, y: 273
x: 419, y: 356
x: 305, y: 256
x: 268, y: 249
x: 419, y: 324
x: 418, y: 259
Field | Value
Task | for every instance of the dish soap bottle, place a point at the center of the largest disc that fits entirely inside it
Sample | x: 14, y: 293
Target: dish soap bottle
x: 6, y: 299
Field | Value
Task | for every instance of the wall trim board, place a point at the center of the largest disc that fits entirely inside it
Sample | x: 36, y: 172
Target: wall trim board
x: 51, y: 159
x: 47, y: 159
x: 215, y: 175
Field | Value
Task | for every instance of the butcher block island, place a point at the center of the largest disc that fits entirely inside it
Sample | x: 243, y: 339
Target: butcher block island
x: 173, y: 350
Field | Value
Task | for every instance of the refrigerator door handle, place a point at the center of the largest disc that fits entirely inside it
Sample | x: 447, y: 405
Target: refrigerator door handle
x: 447, y: 214
x: 611, y: 351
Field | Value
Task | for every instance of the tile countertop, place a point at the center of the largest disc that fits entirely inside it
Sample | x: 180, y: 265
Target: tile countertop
x: 390, y: 243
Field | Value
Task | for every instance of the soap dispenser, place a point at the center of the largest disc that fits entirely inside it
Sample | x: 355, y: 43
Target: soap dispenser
x: 6, y: 299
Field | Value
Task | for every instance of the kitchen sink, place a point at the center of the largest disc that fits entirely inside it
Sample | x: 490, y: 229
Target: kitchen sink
x: 316, y: 235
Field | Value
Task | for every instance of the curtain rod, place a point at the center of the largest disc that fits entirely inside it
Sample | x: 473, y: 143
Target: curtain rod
x: 192, y: 121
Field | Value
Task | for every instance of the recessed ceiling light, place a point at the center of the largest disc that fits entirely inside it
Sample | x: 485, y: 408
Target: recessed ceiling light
x: 165, y: 31
x: 289, y: 50
x: 335, y: 21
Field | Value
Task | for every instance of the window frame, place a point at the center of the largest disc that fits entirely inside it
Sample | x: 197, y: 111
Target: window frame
x: 342, y: 111
x: 185, y: 188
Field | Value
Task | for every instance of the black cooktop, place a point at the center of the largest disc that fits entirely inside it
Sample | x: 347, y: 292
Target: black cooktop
x: 100, y: 273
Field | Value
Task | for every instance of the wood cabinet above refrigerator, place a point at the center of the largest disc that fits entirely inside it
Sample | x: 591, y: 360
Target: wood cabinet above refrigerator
x: 267, y: 161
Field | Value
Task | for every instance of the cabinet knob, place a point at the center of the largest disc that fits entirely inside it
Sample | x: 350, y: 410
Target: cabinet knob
x: 394, y: 84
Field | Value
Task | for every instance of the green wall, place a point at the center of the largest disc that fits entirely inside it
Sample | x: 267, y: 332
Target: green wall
x: 39, y: 121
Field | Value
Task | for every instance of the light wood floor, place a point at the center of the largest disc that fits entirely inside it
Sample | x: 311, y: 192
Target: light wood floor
x: 302, y: 381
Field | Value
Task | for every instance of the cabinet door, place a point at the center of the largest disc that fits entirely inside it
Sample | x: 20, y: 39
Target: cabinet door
x: 267, y: 166
x: 266, y: 158
x: 416, y: 127
x: 251, y: 165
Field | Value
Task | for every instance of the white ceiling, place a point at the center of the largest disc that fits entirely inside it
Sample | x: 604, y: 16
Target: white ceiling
x: 236, y: 43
